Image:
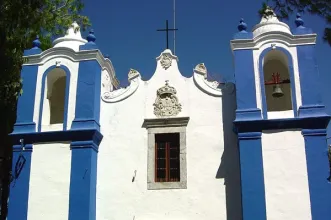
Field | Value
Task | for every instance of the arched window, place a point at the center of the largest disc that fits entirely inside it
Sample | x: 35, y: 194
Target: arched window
x: 56, y: 92
x: 277, y: 82
x: 56, y: 101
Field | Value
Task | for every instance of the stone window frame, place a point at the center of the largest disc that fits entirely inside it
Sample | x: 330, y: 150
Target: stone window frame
x: 166, y: 125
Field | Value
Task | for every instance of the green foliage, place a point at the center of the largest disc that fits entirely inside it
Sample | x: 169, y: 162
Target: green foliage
x: 20, y: 22
x: 284, y: 8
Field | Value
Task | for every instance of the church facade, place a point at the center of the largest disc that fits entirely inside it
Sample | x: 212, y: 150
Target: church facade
x: 173, y: 147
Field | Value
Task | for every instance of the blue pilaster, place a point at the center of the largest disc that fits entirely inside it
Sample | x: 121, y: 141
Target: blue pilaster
x: 25, y: 105
x: 318, y: 172
x: 19, y: 187
x: 245, y: 78
x: 83, y: 180
x: 252, y: 180
x: 87, y: 112
x: 312, y: 104
x: 245, y: 86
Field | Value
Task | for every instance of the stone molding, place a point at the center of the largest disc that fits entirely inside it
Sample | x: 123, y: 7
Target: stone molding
x: 273, y: 37
x: 166, y: 125
x: 74, y: 56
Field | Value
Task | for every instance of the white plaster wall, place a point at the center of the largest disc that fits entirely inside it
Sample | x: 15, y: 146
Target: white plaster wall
x: 124, y: 150
x: 285, y: 175
x: 73, y: 68
x: 256, y: 55
x: 49, y: 181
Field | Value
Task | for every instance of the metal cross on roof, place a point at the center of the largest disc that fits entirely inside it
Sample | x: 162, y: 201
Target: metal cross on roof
x: 167, y: 32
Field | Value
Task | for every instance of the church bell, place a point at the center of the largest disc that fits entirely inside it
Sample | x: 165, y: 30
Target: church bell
x: 278, y: 92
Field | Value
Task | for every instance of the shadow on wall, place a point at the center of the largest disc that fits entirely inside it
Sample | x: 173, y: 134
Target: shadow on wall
x: 229, y: 169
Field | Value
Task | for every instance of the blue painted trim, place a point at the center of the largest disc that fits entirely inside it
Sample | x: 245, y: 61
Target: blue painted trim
x: 285, y: 123
x: 19, y: 188
x: 248, y: 114
x: 24, y: 127
x: 51, y: 136
x: 66, y: 100
x: 261, y: 72
x: 301, y: 30
x: 32, y: 51
x: 312, y: 110
x: 245, y: 80
x: 243, y: 35
x: 87, y: 112
x: 25, y: 105
x: 88, y: 46
x: 252, y: 176
x: 318, y: 172
x: 312, y: 102
x: 83, y: 181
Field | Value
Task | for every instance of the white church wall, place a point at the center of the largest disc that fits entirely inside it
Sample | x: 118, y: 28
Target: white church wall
x: 285, y: 175
x: 49, y: 181
x: 73, y: 68
x: 256, y: 56
x: 122, y: 191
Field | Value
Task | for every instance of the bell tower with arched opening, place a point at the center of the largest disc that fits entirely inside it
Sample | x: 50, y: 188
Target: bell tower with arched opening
x: 281, y: 122
x: 57, y: 131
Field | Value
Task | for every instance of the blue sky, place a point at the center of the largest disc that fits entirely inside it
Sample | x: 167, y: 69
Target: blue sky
x: 126, y: 31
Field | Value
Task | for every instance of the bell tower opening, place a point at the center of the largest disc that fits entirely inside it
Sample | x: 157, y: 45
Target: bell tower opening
x: 56, y: 91
x: 277, y: 82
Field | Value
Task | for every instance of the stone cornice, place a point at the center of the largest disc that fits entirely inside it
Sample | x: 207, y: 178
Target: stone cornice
x: 273, y: 37
x: 166, y: 122
x: 70, y: 54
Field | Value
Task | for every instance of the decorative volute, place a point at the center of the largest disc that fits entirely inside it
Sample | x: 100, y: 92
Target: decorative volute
x: 270, y: 23
x: 73, y: 38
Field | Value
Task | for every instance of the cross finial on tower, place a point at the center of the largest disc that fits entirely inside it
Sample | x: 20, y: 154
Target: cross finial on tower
x: 167, y: 32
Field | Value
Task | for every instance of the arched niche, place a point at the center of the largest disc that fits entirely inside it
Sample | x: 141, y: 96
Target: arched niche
x: 54, y: 99
x: 56, y: 96
x: 275, y: 62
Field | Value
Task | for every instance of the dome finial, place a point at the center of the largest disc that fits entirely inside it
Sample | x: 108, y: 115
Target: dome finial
x: 299, y: 21
x: 91, y: 37
x: 36, y: 43
x: 242, y: 27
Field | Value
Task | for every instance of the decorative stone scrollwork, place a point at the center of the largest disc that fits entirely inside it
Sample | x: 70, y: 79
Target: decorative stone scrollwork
x: 123, y: 93
x: 166, y: 103
x: 166, y: 60
x: 210, y: 87
x: 57, y: 63
x: 132, y: 74
x: 201, y: 68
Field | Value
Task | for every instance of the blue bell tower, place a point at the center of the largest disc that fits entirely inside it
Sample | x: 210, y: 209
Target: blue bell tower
x: 60, y: 104
x: 278, y: 90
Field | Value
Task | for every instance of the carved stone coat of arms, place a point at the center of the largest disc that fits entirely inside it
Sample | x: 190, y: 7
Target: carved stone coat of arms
x: 166, y: 103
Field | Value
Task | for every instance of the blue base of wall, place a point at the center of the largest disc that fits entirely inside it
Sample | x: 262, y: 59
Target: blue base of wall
x: 312, y: 110
x: 79, y: 124
x: 92, y: 135
x: 24, y: 127
x: 287, y: 123
x: 248, y: 114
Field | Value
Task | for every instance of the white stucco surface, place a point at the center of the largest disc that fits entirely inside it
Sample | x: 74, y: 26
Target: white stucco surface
x: 73, y: 68
x: 123, y: 151
x: 49, y: 181
x: 285, y: 175
x: 256, y: 56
